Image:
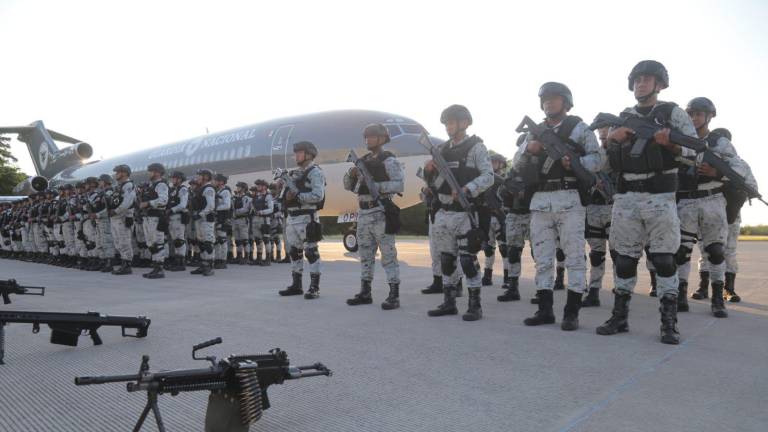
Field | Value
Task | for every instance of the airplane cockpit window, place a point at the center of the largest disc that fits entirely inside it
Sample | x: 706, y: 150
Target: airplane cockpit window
x: 394, y: 130
x: 412, y: 128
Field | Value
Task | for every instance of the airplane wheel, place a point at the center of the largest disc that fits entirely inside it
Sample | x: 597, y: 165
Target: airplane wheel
x: 350, y: 241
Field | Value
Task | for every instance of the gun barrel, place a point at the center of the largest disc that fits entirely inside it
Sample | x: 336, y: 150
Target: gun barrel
x: 81, y: 381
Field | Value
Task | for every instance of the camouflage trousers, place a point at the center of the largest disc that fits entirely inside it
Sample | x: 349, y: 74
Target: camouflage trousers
x: 91, y: 237
x: 568, y: 225
x: 58, y: 239
x: 641, y: 219
x: 497, y: 235
x: 121, y: 236
x: 38, y: 235
x: 50, y: 239
x: 450, y: 235
x: 433, y: 252
x: 371, y: 238
x: 731, y: 263
x: 141, y: 247
x: 68, y: 232
x: 177, y: 232
x: 299, y: 247
x: 261, y: 229
x: 106, y: 243
x: 80, y: 248
x: 223, y: 240
x: 155, y: 239
x: 241, y: 233
x: 597, y: 233
x: 205, y: 238
x: 27, y: 238
x: 701, y: 219
x: 518, y: 228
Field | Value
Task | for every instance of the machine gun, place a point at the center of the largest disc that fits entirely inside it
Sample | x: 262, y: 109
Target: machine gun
x: 10, y: 286
x: 66, y: 328
x: 645, y: 128
x: 556, y: 149
x: 243, y: 379
x: 284, y: 176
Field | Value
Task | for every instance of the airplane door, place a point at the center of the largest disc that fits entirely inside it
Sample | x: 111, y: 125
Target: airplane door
x: 279, y: 147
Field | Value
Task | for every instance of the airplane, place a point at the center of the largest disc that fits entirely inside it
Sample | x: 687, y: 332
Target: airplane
x: 244, y: 154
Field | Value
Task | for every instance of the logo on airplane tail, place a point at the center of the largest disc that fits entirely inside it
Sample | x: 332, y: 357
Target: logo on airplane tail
x: 43, y: 155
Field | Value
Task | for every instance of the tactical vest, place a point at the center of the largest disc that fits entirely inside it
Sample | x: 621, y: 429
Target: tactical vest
x: 117, y: 197
x: 654, y: 158
x: 174, y: 196
x: 62, y: 208
x: 198, y: 200
x: 150, y: 193
x: 555, y: 171
x: 237, y: 202
x: 456, y: 157
x: 259, y: 202
x: 304, y: 185
x: 95, y: 204
x: 375, y: 166
x: 688, y: 176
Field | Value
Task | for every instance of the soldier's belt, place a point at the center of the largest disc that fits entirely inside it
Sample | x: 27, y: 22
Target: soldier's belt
x: 557, y: 185
x: 294, y: 213
x: 367, y: 205
x: 698, y: 193
x: 662, y: 183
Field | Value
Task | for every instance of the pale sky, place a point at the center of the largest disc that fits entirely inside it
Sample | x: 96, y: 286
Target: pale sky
x: 129, y: 75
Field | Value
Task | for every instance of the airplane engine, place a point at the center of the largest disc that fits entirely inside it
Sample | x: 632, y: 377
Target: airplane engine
x: 31, y: 184
x: 69, y: 156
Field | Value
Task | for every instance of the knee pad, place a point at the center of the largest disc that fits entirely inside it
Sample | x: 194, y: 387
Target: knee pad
x: 447, y: 263
x: 560, y: 254
x: 178, y: 243
x: 716, y: 253
x: 596, y: 258
x: 513, y: 254
x: 312, y: 254
x: 626, y: 266
x: 682, y: 256
x: 152, y: 249
x: 503, y: 250
x: 295, y: 253
x: 207, y: 247
x: 489, y: 250
x: 665, y: 264
x: 469, y: 265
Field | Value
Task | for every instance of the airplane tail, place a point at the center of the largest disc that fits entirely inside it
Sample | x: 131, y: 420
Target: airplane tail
x: 46, y: 156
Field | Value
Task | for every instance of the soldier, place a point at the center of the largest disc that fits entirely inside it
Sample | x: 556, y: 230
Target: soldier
x: 644, y: 207
x: 492, y: 211
x: 59, y: 211
x: 263, y: 207
x: 374, y: 230
x: 278, y: 225
x: 204, y: 214
x: 241, y: 205
x: 599, y: 224
x: 81, y: 203
x: 94, y: 205
x: 178, y: 219
x: 52, y: 202
x: 428, y: 196
x: 67, y: 224
x: 733, y: 213
x: 702, y: 208
x: 456, y: 238
x: 516, y: 197
x: 557, y: 208
x: 193, y: 251
x: 106, y: 245
x: 154, y: 202
x: 223, y: 221
x: 121, y: 217
x: 142, y: 258
x: 303, y: 199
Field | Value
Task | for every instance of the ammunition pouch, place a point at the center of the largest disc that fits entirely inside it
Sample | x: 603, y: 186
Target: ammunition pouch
x: 185, y: 218
x: 314, y: 231
x: 475, y: 238
x: 392, y: 222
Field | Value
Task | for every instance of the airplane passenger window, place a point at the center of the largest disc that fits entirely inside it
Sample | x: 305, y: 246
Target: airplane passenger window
x: 412, y: 128
x: 394, y: 130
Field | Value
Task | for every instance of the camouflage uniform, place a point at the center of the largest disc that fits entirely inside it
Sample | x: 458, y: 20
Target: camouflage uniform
x: 223, y: 224
x: 598, y: 231
x: 155, y: 212
x: 204, y: 206
x: 121, y: 222
x: 240, y: 224
x: 178, y: 221
x: 263, y: 207
x: 515, y: 198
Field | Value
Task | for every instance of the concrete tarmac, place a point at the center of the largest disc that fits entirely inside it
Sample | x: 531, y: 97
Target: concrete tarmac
x: 393, y: 370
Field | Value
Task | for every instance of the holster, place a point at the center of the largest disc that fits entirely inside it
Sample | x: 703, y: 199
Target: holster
x: 314, y: 231
x: 392, y: 222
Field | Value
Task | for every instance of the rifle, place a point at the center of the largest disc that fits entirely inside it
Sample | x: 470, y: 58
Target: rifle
x: 605, y: 186
x: 67, y: 327
x: 10, y: 286
x: 447, y: 174
x: 644, y: 129
x: 284, y: 175
x: 736, y: 180
x: 556, y: 149
x: 243, y: 379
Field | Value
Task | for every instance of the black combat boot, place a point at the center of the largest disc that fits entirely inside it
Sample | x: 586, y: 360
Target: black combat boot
x: 512, y: 292
x: 592, y: 298
x: 460, y: 288
x: 544, y: 315
x: 448, y: 307
x: 156, y: 273
x: 279, y: 256
x: 718, y: 305
x: 571, y: 311
x: 219, y: 264
x: 559, y: 279
x: 177, y: 264
x: 241, y: 260
x: 207, y: 267
x: 505, y: 279
x: 124, y: 269
x: 652, y: 292
x: 730, y: 288
x: 94, y: 265
x: 393, y: 300
x: 474, y: 310
x: 108, y: 266
x: 682, y: 296
x: 364, y: 296
x: 436, y: 287
x: 668, y: 310
x: 267, y: 259
x: 487, y: 277
x: 294, y: 288
x: 535, y: 299
x: 231, y: 258
x: 314, y: 287
x: 258, y: 260
x: 703, y: 291
x: 617, y: 323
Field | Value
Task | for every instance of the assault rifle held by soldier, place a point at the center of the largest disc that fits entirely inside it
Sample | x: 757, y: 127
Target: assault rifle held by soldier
x: 10, y: 286
x: 66, y: 328
x: 644, y: 129
x: 238, y: 385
